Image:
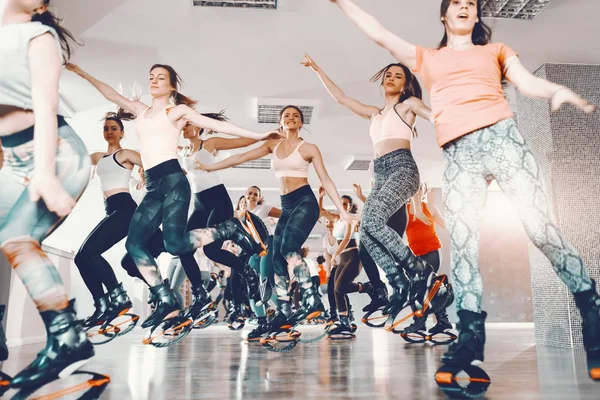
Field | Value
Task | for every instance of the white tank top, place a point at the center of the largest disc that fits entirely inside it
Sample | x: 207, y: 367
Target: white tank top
x: 339, y: 231
x: 158, y: 138
x: 111, y: 173
x: 199, y: 180
x: 329, y: 248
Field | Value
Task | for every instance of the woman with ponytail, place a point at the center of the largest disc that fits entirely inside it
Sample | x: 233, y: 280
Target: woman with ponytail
x: 167, y: 200
x: 46, y: 169
x: 395, y: 170
x: 113, y: 169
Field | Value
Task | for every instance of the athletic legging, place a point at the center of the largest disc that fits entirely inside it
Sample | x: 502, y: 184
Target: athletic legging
x: 471, y: 162
x: 155, y: 245
x: 94, y: 269
x: 331, y: 292
x: 264, y: 266
x: 167, y: 201
x: 24, y: 224
x: 211, y: 206
x: 176, y: 276
x: 396, y: 181
x: 398, y: 223
x: 299, y: 214
x: 346, y: 272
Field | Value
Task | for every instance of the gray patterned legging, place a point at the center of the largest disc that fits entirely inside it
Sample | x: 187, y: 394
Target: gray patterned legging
x: 472, y: 161
x: 396, y: 181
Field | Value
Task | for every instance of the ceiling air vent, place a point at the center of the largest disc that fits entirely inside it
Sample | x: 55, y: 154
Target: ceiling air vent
x: 358, y: 163
x: 261, y: 163
x: 267, y: 4
x: 268, y: 109
x: 513, y: 9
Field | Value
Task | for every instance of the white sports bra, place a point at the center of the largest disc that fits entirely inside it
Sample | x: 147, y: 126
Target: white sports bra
x: 111, y: 173
x: 389, y: 125
x: 200, y: 180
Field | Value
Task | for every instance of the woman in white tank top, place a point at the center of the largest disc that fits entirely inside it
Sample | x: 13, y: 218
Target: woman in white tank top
x: 113, y: 170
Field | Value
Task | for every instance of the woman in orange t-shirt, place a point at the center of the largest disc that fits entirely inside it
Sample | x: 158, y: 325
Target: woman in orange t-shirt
x: 481, y: 142
x: 424, y: 242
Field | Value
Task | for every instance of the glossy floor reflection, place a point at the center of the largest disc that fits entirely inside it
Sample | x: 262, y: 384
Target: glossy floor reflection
x: 214, y: 363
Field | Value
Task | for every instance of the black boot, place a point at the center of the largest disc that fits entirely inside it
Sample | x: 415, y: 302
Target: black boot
x: 311, y: 303
x: 99, y: 316
x: 419, y: 323
x: 165, y: 304
x: 233, y: 230
x: 3, y: 347
x: 588, y: 303
x: 261, y: 330
x: 379, y: 297
x: 202, y: 302
x: 67, y: 349
x: 120, y: 303
x: 281, y: 318
x: 443, y: 323
x: 399, y: 298
x: 342, y: 327
x: 471, y: 340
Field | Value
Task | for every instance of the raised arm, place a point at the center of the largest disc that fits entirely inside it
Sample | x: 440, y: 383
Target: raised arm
x: 532, y: 86
x: 109, y: 93
x: 359, y: 193
x: 403, y: 51
x: 419, y: 108
x: 237, y: 159
x: 323, y: 212
x: 188, y: 114
x: 328, y: 185
x: 358, y: 108
x: 437, y: 216
x: 218, y: 143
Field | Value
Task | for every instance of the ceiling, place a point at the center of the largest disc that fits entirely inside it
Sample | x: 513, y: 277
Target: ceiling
x: 229, y: 57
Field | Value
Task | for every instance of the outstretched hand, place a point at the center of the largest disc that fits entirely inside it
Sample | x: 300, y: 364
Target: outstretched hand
x: 566, y: 95
x: 274, y: 134
x: 357, y: 189
x: 309, y: 62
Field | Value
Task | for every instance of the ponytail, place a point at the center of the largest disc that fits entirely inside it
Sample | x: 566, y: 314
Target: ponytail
x: 49, y: 19
x: 179, y: 98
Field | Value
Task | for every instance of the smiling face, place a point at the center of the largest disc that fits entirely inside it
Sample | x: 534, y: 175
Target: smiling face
x: 394, y: 80
x: 460, y: 16
x: 112, y: 132
x: 159, y: 83
x: 291, y: 119
x: 252, y: 195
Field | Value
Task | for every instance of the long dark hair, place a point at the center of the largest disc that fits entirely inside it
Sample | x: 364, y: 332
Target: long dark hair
x: 51, y: 20
x: 220, y: 116
x: 412, y: 87
x: 482, y: 34
x: 176, y: 83
x: 120, y: 116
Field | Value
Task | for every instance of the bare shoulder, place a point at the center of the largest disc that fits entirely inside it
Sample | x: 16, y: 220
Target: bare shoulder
x: 96, y: 157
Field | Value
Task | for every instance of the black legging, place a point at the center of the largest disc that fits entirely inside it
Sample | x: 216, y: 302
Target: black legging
x: 167, y: 201
x: 156, y: 246
x: 299, y: 214
x: 94, y: 269
x: 211, y: 206
x: 397, y: 222
x: 433, y: 258
x: 346, y: 272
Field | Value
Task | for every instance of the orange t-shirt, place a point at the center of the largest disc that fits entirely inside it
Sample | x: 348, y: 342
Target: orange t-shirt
x: 465, y: 87
x: 322, y: 275
x: 422, y: 238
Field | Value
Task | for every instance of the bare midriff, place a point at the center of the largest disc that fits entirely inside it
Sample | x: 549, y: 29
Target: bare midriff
x: 389, y: 145
x: 112, y: 192
x: 288, y: 184
x: 14, y: 119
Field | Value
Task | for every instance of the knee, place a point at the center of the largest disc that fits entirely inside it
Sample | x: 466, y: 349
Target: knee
x: 172, y: 247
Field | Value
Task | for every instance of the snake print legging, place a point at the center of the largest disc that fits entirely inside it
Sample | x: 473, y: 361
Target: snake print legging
x: 472, y: 161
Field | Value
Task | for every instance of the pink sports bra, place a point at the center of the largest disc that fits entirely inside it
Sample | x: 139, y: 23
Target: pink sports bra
x: 389, y: 125
x: 293, y: 165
